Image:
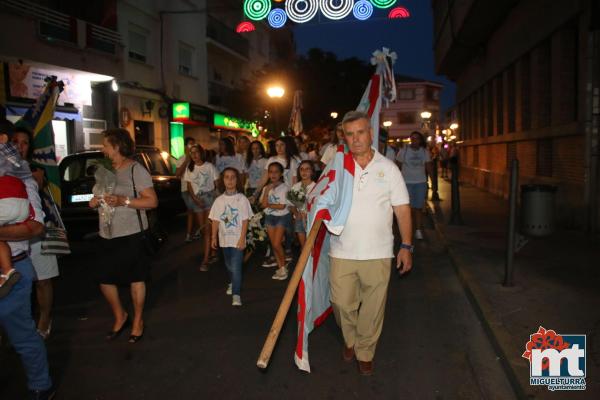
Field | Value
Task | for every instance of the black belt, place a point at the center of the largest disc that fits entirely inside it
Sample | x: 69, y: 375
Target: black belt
x: 19, y: 257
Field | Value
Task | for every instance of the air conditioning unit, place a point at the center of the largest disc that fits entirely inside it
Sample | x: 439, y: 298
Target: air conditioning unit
x: 92, y: 133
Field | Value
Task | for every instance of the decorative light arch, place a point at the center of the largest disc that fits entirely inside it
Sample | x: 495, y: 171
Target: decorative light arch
x: 244, y: 27
x: 383, y: 3
x: 257, y: 9
x: 334, y: 11
x: 362, y: 10
x: 277, y: 18
x: 301, y: 11
x: 399, y: 12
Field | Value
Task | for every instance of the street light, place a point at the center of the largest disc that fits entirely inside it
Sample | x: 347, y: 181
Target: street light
x: 387, y: 124
x: 334, y: 114
x: 425, y: 115
x: 454, y: 126
x: 276, y: 92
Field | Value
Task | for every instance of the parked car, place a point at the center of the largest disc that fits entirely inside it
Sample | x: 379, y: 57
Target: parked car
x: 77, y: 179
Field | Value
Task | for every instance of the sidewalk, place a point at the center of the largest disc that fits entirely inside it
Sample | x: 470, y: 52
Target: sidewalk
x: 557, y: 285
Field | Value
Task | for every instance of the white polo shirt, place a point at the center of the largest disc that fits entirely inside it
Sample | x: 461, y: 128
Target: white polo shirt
x: 368, y: 234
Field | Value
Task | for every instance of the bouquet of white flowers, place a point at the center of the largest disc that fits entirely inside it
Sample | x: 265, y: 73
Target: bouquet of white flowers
x: 256, y: 232
x: 105, y: 184
x: 298, y: 198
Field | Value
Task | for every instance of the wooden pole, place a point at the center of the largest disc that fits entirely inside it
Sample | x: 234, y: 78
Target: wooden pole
x: 284, y: 307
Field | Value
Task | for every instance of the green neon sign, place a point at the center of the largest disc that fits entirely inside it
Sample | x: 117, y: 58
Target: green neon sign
x: 181, y: 111
x: 177, y: 146
x: 225, y: 121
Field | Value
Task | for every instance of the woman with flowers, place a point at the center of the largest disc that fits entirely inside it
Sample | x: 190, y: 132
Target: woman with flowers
x: 297, y: 198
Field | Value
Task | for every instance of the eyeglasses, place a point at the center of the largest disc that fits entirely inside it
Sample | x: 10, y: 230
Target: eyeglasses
x: 362, y: 180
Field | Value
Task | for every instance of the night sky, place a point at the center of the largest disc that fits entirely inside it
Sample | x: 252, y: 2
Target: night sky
x: 411, y: 39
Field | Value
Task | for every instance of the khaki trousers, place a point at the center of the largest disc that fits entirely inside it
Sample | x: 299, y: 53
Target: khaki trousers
x: 358, y: 295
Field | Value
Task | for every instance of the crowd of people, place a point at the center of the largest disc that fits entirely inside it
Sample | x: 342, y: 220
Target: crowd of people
x: 230, y: 193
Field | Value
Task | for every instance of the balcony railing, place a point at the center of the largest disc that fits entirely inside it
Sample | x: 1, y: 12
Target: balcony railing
x: 55, y: 26
x: 226, y: 36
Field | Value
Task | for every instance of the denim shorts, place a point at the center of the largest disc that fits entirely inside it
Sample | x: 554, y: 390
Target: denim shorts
x: 277, y: 220
x: 417, y: 192
x: 207, y: 198
x: 299, y: 226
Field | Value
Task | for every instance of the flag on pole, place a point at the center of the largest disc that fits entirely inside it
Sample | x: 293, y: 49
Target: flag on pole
x: 296, y: 117
x: 330, y: 200
x: 381, y: 89
x: 38, y: 119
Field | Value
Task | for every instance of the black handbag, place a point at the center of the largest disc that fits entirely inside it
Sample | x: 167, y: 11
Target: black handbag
x: 153, y: 238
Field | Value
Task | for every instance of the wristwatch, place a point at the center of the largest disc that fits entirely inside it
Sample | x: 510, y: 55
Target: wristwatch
x: 127, y: 201
x: 408, y: 247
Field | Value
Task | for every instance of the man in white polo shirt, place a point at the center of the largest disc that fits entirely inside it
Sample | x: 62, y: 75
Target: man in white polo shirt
x: 362, y: 254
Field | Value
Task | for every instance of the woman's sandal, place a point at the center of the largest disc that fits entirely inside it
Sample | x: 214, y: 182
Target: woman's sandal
x: 135, y: 338
x: 10, y: 279
x: 112, y: 335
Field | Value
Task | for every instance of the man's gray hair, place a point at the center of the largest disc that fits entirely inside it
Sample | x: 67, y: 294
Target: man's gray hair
x: 352, y: 116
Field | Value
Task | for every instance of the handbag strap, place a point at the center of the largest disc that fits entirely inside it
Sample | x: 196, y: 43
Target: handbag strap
x: 139, y: 214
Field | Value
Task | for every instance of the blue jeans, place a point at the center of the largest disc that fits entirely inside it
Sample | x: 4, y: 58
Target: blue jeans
x: 16, y: 319
x: 233, y: 261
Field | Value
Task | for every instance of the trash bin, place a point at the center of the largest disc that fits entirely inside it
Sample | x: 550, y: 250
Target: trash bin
x: 537, y: 210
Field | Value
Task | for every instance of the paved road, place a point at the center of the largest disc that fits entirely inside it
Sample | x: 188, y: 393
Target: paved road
x: 198, y: 346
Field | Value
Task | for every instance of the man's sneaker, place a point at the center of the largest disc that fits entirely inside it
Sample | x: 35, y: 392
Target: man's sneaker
x: 229, y: 289
x: 269, y: 263
x: 418, y: 234
x: 188, y: 238
x: 236, y: 300
x: 281, y: 274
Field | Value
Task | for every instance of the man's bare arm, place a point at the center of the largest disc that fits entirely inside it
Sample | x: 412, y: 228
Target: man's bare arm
x: 24, y: 231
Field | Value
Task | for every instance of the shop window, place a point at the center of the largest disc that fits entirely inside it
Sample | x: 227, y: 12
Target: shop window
x: 186, y: 59
x: 406, y: 94
x: 138, y: 38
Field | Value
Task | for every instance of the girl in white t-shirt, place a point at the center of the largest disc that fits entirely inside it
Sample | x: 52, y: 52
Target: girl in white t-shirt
x: 201, y: 178
x: 227, y: 156
x: 289, y: 163
x: 230, y: 214
x: 254, y: 166
x: 306, y: 172
x: 277, y: 215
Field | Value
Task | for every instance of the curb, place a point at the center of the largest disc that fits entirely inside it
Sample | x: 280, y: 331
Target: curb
x: 491, y: 325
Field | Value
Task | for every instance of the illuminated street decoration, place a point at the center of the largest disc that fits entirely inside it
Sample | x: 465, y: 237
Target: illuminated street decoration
x: 399, y: 12
x: 301, y: 11
x: 244, y: 27
x: 257, y: 9
x: 363, y: 10
x: 383, y: 3
x: 336, y: 9
x: 277, y: 18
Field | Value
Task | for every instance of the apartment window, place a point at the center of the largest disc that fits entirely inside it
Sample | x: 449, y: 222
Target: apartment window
x: 138, y: 38
x: 186, y: 59
x: 406, y: 118
x: 500, y: 105
x: 544, y: 158
x: 406, y: 94
x: 526, y: 92
x: 511, y: 95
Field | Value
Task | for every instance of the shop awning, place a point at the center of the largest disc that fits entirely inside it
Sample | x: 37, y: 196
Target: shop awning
x: 58, y: 115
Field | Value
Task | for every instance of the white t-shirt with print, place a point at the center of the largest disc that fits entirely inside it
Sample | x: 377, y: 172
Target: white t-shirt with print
x: 255, y: 171
x: 202, y: 178
x: 368, y: 234
x: 223, y: 162
x: 231, y: 211
x: 413, y: 164
x: 288, y: 173
x: 278, y: 195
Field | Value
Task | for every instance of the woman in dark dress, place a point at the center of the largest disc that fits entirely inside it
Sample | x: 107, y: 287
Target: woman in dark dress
x: 125, y: 259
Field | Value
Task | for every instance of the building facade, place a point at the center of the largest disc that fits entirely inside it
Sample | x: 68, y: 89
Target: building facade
x: 414, y: 96
x: 526, y: 72
x: 129, y: 62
